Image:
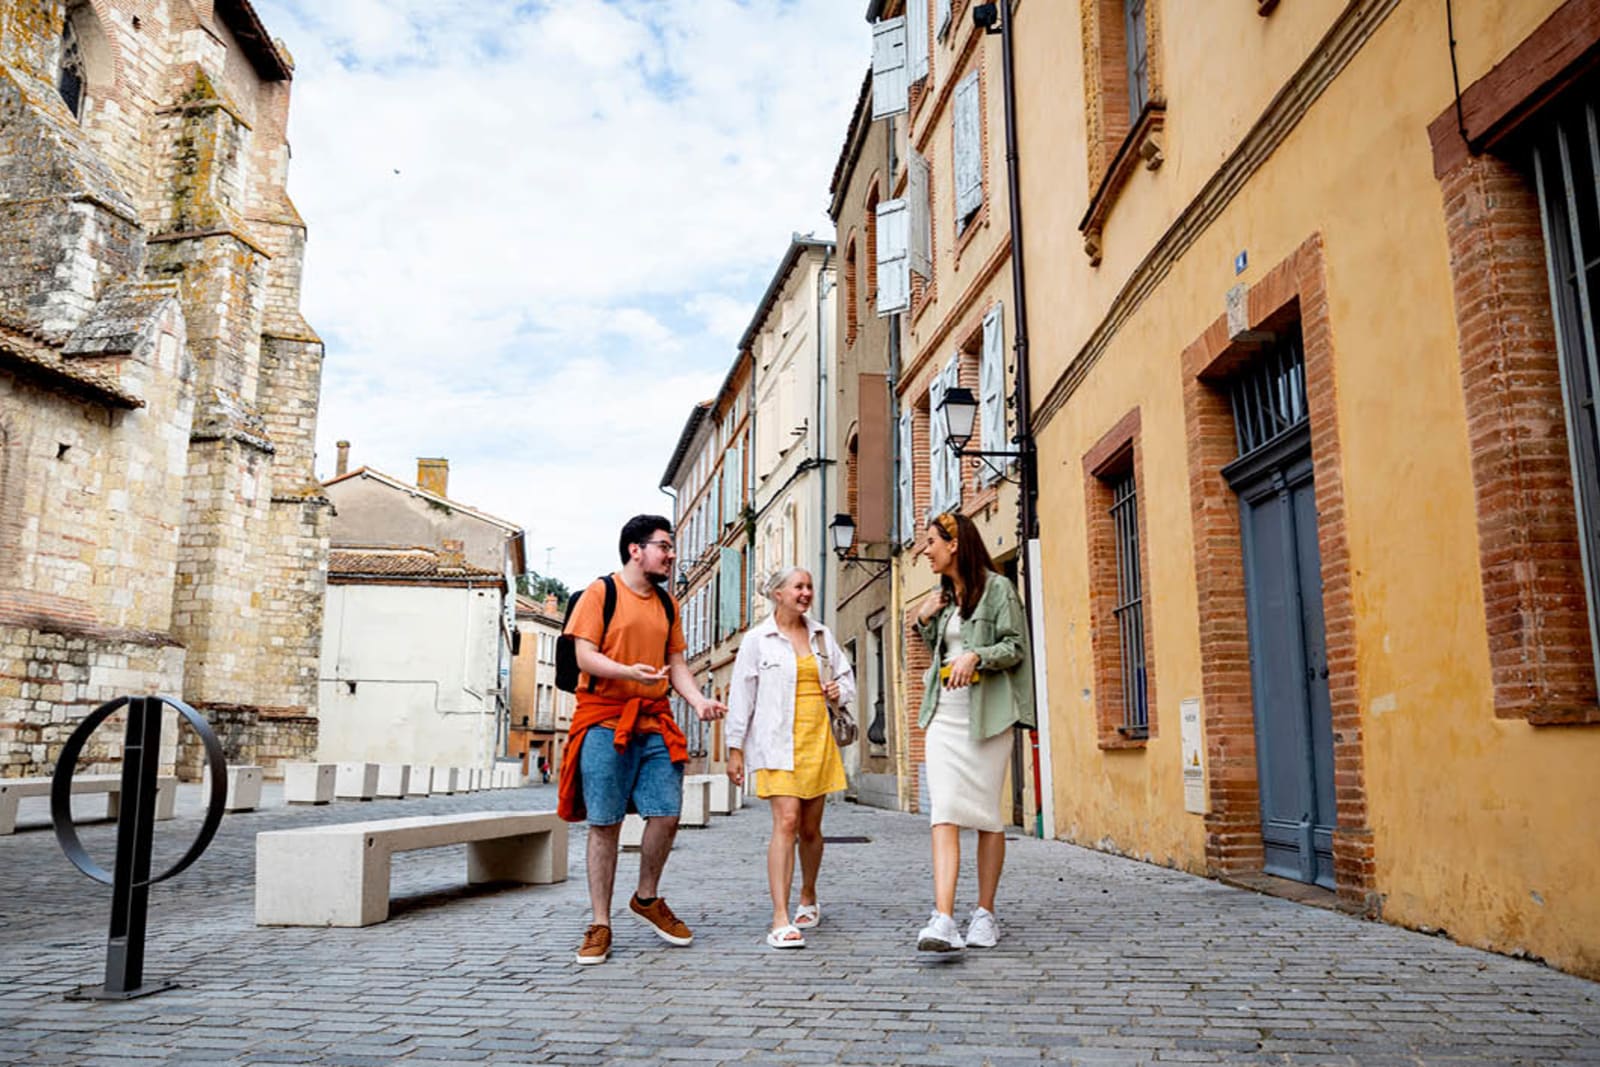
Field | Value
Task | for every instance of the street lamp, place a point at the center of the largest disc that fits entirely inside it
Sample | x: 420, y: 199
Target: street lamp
x: 682, y: 584
x: 960, y: 411
x: 843, y: 532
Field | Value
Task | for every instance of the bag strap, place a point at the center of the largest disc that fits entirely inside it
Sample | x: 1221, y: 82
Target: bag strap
x: 609, y: 610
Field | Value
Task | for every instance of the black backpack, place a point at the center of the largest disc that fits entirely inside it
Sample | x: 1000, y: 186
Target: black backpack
x: 567, y: 671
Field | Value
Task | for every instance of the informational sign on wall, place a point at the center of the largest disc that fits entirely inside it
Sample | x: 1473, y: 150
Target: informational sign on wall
x: 1194, y: 772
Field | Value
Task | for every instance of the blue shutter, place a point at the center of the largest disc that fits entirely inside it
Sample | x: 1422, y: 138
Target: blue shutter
x: 730, y: 591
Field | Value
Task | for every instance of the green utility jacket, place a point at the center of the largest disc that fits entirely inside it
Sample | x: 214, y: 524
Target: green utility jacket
x: 1002, y: 696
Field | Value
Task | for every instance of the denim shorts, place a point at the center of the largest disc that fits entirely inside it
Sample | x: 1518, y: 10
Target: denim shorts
x: 641, y: 777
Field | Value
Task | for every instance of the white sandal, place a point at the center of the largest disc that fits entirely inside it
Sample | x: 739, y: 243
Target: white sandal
x: 780, y: 938
x: 807, y: 917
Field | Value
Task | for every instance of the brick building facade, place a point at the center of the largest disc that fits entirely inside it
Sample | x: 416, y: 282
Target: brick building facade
x: 160, y: 527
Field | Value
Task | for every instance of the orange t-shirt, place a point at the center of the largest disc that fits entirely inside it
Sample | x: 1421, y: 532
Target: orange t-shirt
x: 637, y: 634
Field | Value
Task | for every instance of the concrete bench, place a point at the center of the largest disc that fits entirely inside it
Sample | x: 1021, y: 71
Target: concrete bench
x: 356, y: 781
x: 12, y: 790
x: 339, y: 875
x: 696, y: 802
x: 394, y: 780
x: 244, y: 787
x: 309, y: 783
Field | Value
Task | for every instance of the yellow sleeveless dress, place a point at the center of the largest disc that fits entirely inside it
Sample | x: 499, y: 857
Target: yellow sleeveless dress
x: 818, y: 770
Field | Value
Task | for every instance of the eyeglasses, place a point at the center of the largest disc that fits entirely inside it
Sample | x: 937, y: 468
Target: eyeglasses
x: 665, y: 546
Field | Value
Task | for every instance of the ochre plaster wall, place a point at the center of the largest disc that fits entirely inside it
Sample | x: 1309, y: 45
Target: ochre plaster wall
x: 1481, y: 826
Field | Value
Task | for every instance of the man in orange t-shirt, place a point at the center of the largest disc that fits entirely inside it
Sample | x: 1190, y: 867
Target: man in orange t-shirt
x: 624, y: 747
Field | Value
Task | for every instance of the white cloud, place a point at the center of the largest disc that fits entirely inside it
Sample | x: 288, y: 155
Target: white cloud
x: 537, y: 231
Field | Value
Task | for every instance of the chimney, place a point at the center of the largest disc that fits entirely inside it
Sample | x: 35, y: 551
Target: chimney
x: 433, y: 475
x: 343, y: 466
x: 552, y: 605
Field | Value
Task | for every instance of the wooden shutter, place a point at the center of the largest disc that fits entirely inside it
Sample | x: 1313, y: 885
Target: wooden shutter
x: 952, y: 462
x: 916, y: 40
x: 872, y: 460
x: 894, y: 262
x: 919, y: 221
x: 938, y: 451
x: 943, y: 20
x: 729, y: 590
x: 906, y: 481
x: 968, y: 148
x: 890, y: 83
x: 992, y: 395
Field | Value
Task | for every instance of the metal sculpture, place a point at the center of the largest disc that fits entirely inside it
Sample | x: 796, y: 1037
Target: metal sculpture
x: 130, y: 879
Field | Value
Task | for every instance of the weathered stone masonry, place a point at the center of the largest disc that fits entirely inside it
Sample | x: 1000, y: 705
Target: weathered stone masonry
x: 160, y: 526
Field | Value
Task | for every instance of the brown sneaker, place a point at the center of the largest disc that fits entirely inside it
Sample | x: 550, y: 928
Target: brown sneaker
x: 596, y: 947
x: 668, y: 927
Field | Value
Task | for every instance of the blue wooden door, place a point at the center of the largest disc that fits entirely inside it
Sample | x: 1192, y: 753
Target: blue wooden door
x: 1289, y: 664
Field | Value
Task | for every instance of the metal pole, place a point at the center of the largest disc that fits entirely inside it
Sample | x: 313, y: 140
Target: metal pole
x: 130, y: 890
x: 1028, y: 488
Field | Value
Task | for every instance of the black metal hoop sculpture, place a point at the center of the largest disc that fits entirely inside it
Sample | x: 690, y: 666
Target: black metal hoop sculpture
x: 130, y: 879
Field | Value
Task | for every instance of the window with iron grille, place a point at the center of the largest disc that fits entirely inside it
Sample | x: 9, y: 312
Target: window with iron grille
x: 1269, y: 396
x: 1129, y: 609
x: 1138, y: 57
x: 1566, y: 165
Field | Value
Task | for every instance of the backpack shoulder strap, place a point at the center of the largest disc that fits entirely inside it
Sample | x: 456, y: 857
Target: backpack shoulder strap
x: 606, y: 612
x: 672, y: 617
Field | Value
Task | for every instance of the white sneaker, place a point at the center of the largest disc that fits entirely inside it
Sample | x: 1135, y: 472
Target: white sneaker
x: 982, y: 929
x: 940, y: 935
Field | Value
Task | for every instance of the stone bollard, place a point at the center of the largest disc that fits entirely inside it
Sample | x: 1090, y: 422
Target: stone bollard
x: 356, y: 781
x: 444, y: 780
x: 696, y: 802
x: 632, y: 831
x: 394, y: 780
x: 421, y: 780
x: 244, y: 787
x: 309, y: 783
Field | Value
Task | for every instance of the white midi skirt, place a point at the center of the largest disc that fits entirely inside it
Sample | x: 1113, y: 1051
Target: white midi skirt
x: 964, y: 778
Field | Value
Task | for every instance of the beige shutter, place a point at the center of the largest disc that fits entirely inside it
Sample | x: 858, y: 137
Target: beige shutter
x: 919, y: 223
x: 968, y: 148
x: 992, y: 395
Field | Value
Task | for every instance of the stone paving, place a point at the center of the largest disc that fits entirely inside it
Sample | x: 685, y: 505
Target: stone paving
x: 1103, y: 961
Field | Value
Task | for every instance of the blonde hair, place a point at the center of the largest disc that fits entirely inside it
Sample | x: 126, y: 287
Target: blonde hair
x: 770, y: 587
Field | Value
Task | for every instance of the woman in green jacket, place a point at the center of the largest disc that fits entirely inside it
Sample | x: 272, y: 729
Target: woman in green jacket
x: 979, y: 686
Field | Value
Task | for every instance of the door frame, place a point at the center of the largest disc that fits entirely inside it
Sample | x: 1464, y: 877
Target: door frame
x: 1294, y: 289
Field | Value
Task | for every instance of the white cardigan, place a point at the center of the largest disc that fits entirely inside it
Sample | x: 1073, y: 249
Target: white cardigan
x: 761, y: 697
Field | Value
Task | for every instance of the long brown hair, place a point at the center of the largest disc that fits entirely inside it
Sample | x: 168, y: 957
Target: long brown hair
x: 972, y: 559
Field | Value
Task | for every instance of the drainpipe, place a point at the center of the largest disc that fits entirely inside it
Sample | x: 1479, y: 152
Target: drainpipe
x: 1027, y: 509
x: 823, y: 288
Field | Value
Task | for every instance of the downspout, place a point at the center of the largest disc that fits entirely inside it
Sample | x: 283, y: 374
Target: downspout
x: 1027, y: 509
x: 896, y: 652
x: 823, y: 289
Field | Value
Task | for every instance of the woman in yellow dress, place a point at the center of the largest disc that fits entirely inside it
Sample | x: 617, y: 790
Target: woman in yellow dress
x: 788, y: 669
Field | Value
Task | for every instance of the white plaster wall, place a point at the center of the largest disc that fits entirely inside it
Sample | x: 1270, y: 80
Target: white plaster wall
x: 422, y: 661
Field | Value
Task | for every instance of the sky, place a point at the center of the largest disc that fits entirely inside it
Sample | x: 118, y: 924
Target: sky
x: 536, y: 231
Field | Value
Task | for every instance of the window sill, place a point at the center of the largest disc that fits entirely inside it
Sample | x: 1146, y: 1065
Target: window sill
x: 1117, y: 742
x: 1584, y: 715
x: 1142, y: 147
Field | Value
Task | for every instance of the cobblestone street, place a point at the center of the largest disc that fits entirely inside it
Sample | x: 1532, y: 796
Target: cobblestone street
x: 1103, y: 960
